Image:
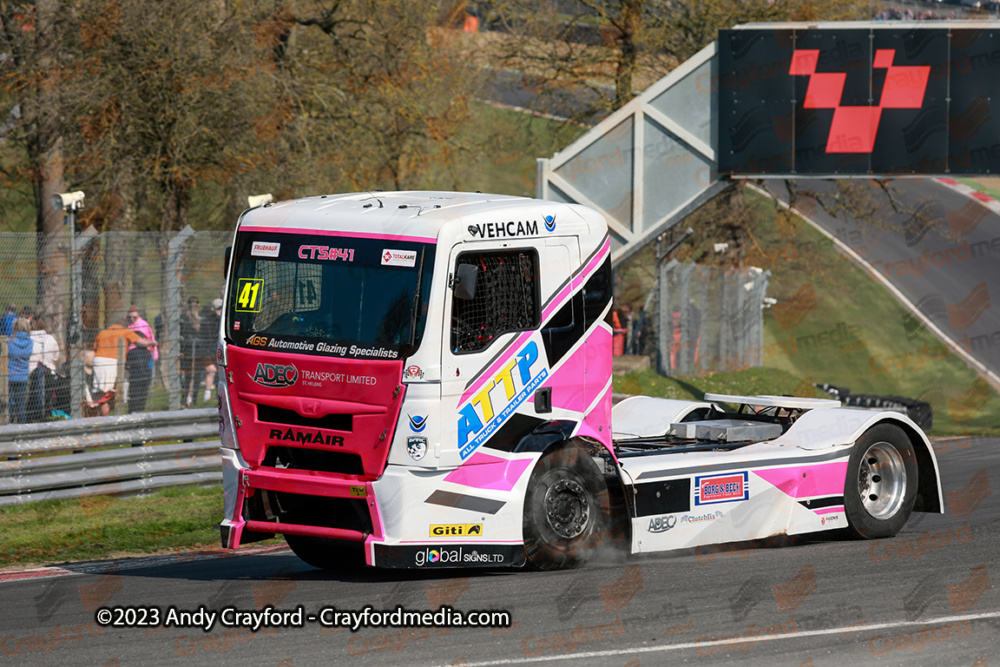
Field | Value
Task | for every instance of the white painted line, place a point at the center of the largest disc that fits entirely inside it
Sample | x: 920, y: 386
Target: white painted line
x: 959, y: 351
x: 732, y: 642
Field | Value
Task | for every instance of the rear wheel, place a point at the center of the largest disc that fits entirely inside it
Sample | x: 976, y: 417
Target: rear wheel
x: 566, y: 510
x: 881, y: 482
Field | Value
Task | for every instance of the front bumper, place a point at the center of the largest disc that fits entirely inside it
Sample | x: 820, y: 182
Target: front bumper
x: 398, y: 507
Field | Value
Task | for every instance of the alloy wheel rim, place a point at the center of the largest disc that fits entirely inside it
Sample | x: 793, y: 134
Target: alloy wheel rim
x: 882, y: 480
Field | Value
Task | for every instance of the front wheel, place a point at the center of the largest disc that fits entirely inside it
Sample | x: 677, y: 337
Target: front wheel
x: 881, y: 482
x: 566, y: 510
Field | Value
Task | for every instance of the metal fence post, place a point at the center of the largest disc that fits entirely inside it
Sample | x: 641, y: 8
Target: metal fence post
x: 4, y: 410
x: 664, y: 330
x: 171, y: 376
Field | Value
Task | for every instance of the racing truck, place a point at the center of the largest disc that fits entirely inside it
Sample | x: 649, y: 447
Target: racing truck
x: 423, y: 379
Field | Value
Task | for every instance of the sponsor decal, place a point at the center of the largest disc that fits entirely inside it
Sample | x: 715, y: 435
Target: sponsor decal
x: 550, y: 223
x: 359, y: 491
x: 417, y: 423
x: 248, y: 295
x: 413, y: 373
x: 263, y: 249
x: 500, y: 230
x: 465, y: 555
x: 853, y: 129
x: 391, y: 257
x: 334, y: 349
x: 700, y: 518
x: 724, y: 488
x: 306, y: 438
x: 445, y: 557
x: 661, y: 524
x: 236, y: 325
x: 457, y: 530
x: 275, y: 375
x: 416, y: 447
x: 493, y: 405
x: 830, y: 518
x: 323, y: 252
x: 319, y: 377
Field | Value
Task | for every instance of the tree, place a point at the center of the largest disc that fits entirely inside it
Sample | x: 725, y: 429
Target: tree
x: 597, y: 50
x: 382, y: 90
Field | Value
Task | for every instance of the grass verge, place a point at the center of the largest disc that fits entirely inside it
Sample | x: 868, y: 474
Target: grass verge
x: 52, y: 531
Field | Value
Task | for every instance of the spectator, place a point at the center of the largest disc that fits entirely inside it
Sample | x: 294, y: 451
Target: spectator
x: 18, y: 355
x: 139, y: 362
x: 190, y: 344
x: 26, y: 313
x: 209, y: 341
x: 7, y: 320
x: 106, y: 358
x: 45, y: 358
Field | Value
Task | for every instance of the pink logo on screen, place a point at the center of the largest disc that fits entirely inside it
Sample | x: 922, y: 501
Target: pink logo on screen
x: 853, y: 129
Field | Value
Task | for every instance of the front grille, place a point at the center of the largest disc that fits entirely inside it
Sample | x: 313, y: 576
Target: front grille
x: 321, y: 460
x: 273, y: 415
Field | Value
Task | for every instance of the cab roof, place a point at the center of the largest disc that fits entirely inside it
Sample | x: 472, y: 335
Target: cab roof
x: 411, y: 215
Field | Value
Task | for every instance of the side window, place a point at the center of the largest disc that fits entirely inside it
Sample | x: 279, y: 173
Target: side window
x: 597, y: 293
x: 506, y: 298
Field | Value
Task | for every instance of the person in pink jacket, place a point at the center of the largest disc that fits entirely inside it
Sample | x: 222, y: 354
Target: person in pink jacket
x: 139, y: 363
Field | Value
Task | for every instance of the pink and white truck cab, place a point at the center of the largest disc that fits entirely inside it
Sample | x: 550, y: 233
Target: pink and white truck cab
x: 423, y: 379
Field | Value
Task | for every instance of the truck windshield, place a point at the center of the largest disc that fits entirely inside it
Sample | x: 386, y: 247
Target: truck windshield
x: 329, y: 295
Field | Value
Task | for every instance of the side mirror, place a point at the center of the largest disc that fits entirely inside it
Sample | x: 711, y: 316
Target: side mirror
x: 465, y: 282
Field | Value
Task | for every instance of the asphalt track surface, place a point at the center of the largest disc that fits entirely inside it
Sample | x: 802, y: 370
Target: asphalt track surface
x: 926, y: 597
x: 945, y: 260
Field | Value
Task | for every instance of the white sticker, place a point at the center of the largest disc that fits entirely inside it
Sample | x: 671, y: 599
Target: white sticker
x: 261, y: 249
x: 392, y: 257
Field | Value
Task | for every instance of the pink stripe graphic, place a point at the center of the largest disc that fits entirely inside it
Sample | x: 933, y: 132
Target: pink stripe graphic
x: 568, y: 392
x: 829, y: 510
x: 483, y: 471
x: 822, y: 479
x: 597, y: 423
x: 328, y: 232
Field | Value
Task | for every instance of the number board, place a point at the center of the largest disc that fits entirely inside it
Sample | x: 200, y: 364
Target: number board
x: 248, y: 295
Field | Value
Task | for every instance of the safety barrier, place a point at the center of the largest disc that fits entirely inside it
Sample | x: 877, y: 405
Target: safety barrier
x: 108, y: 455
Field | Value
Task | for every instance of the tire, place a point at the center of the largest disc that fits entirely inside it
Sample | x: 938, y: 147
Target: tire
x: 566, y: 510
x: 327, y: 554
x: 881, y: 484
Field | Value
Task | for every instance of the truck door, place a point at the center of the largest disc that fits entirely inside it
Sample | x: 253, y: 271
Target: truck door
x: 493, y: 354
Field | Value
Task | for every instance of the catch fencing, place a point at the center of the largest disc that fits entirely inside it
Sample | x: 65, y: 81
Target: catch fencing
x: 81, y: 286
x: 710, y: 318
x: 109, y: 455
